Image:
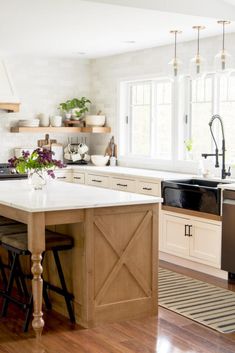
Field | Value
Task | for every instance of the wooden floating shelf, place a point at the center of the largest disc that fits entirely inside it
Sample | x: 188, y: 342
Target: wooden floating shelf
x: 63, y: 129
x: 10, y: 107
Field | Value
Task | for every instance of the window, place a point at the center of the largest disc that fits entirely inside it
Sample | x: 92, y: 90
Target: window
x: 226, y: 93
x: 200, y: 110
x: 149, y: 114
x: 208, y: 96
x: 159, y: 127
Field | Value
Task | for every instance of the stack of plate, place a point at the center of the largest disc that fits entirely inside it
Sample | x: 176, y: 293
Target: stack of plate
x: 29, y: 123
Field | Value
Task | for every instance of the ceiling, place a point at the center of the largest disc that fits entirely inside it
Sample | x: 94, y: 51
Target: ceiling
x: 98, y: 28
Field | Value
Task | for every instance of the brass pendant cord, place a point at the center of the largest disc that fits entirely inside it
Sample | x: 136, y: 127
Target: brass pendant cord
x: 198, y: 41
x: 223, y: 41
x: 175, y: 43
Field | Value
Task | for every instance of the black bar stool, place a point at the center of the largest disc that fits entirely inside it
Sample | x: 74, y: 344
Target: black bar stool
x: 17, y: 245
x: 7, y: 227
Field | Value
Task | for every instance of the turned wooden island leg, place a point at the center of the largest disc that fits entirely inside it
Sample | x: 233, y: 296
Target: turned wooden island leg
x: 36, y: 245
x: 37, y: 287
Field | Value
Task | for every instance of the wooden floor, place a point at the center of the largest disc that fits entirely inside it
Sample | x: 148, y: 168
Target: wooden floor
x: 167, y: 333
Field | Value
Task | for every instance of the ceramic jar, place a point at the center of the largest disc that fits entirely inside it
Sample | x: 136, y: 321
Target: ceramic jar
x: 56, y: 120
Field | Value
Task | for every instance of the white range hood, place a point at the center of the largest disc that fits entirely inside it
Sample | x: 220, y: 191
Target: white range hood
x: 8, y: 98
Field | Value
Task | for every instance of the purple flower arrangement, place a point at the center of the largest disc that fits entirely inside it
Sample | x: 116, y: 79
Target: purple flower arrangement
x: 38, y: 160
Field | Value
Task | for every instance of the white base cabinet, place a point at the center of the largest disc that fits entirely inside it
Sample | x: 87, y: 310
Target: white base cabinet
x: 191, y: 238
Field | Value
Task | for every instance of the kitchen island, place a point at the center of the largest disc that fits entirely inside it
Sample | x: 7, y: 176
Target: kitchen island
x: 115, y: 260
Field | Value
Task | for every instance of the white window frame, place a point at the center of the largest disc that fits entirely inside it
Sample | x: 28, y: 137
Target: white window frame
x: 125, y: 116
x: 180, y: 109
x: 187, y: 122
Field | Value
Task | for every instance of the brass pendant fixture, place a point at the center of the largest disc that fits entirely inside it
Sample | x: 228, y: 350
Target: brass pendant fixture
x: 223, y: 60
x: 197, y: 63
x: 175, y: 62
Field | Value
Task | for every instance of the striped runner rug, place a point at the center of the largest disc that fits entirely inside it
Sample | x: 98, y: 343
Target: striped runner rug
x: 209, y: 305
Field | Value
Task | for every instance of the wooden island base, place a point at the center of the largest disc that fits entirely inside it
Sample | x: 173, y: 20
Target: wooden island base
x: 112, y: 270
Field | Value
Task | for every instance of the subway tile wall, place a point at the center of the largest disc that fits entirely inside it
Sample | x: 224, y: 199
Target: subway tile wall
x: 41, y: 84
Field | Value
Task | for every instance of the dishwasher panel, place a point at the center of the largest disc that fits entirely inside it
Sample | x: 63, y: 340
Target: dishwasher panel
x: 228, y: 233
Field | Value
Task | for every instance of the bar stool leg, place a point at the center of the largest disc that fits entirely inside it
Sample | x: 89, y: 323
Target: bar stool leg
x: 64, y: 287
x: 21, y: 277
x: 18, y: 282
x: 3, y: 274
x: 9, y: 285
x: 28, y: 315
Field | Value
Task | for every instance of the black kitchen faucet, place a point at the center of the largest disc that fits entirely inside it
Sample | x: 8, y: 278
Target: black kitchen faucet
x: 224, y: 173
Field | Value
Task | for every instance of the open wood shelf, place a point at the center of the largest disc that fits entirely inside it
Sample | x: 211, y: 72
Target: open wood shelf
x: 63, y: 129
x: 10, y: 107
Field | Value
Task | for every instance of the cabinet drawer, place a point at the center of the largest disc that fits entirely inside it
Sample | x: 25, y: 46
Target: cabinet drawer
x: 123, y: 184
x: 78, y: 178
x: 147, y: 188
x: 98, y: 180
x: 63, y: 176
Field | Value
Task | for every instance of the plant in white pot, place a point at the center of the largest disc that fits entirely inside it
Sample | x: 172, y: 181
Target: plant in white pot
x: 75, y: 108
x: 79, y: 108
x: 66, y: 107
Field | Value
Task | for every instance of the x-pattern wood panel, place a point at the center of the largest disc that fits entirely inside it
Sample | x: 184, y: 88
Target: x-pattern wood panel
x: 123, y: 256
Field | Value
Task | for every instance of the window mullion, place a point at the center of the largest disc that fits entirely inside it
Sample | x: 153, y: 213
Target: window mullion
x: 153, y: 119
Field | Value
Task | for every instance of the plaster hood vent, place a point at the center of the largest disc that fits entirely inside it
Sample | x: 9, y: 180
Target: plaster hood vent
x: 8, y: 99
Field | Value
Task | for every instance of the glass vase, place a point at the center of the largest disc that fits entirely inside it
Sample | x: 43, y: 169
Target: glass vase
x: 37, y: 178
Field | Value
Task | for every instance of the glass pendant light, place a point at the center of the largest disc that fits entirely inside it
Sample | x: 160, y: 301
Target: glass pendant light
x: 175, y: 62
x: 223, y: 60
x: 197, y: 64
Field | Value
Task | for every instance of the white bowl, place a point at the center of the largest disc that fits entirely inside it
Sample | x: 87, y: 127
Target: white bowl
x: 99, y: 160
x: 29, y: 123
x: 95, y: 120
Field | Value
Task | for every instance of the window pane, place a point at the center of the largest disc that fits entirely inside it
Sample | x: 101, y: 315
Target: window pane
x: 147, y: 92
x: 160, y: 92
x: 223, y: 88
x: 167, y: 95
x: 163, y: 129
x: 227, y: 110
x: 198, y: 134
x: 231, y: 89
x: 140, y: 94
x: 140, y: 130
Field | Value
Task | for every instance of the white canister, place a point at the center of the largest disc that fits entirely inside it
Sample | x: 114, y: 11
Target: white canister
x: 56, y: 120
x: 44, y: 120
x: 58, y: 150
x: 113, y: 161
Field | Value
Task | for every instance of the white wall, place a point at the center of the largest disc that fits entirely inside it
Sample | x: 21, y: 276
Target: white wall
x: 41, y: 84
x: 106, y: 74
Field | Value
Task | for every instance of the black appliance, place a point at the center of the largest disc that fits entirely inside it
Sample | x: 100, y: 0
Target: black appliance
x: 228, y: 234
x: 9, y: 173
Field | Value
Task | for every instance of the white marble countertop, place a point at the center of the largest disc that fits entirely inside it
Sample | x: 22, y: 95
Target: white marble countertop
x: 64, y: 196
x: 131, y: 172
x: 230, y: 186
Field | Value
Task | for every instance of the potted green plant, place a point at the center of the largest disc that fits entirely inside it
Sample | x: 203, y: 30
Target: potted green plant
x: 79, y: 108
x: 67, y: 107
x: 189, y: 147
x: 75, y: 107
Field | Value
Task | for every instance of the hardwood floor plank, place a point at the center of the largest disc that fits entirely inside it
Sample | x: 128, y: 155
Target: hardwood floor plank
x: 167, y: 333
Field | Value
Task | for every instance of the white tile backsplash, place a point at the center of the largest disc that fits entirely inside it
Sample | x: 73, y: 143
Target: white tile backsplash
x: 41, y: 84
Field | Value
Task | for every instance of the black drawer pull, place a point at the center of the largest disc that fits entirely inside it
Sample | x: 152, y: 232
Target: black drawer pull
x: 186, y: 234
x: 123, y: 185
x: 148, y: 189
x: 189, y: 234
x: 96, y: 181
x: 62, y: 177
x: 187, y: 230
x: 77, y: 178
